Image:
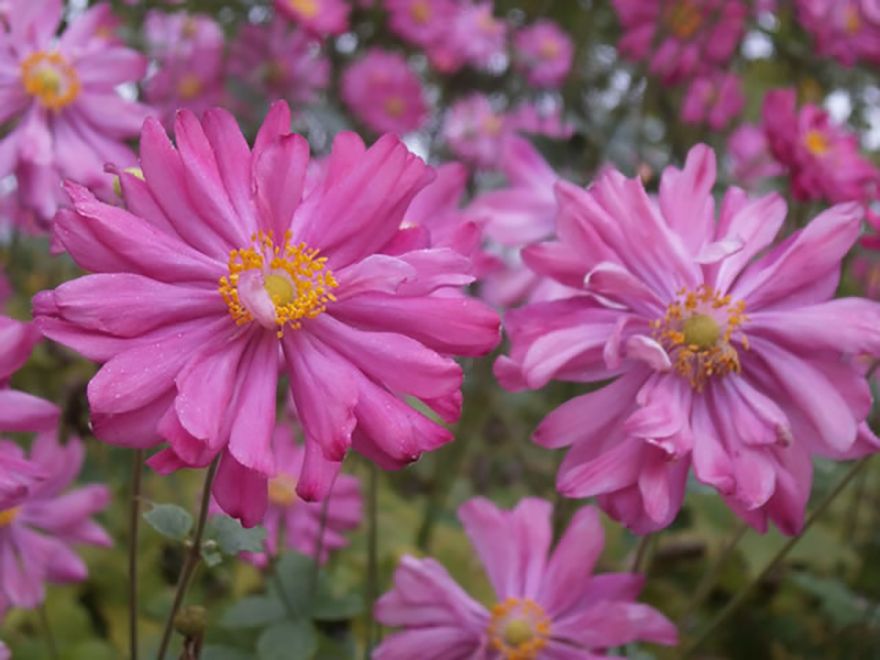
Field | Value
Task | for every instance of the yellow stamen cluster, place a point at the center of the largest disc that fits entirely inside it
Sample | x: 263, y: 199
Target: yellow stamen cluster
x: 298, y: 281
x: 50, y: 78
x: 189, y: 86
x: 853, y: 20
x: 8, y: 516
x: 282, y: 491
x: 684, y: 19
x: 420, y: 11
x: 691, y: 334
x: 816, y: 142
x: 394, y: 106
x: 549, y: 50
x: 518, y: 629
x: 306, y: 8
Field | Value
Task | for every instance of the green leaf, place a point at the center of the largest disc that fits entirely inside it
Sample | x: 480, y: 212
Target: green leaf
x: 254, y: 612
x: 232, y: 538
x: 170, y: 521
x: 288, y: 640
x: 224, y: 653
x: 331, y: 607
x: 296, y: 573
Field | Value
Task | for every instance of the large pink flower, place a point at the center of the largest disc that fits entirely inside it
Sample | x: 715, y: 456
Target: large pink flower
x: 279, y: 62
x: 384, y: 93
x: 70, y: 119
x: 843, y: 29
x: 550, y: 606
x: 36, y: 535
x: 726, y: 353
x: 300, y: 523
x: 676, y: 37
x: 544, y: 52
x: 221, y: 272
x: 822, y: 157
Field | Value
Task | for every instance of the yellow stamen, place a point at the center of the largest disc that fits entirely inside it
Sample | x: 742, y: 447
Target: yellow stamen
x: 306, y: 8
x: 549, y: 50
x: 420, y: 11
x: 8, y: 516
x: 295, y: 278
x: 189, y: 86
x: 50, y: 78
x: 394, y: 106
x: 816, y: 142
x: 684, y: 19
x: 853, y: 20
x: 492, y: 125
x: 694, y: 338
x: 282, y: 491
x: 518, y: 629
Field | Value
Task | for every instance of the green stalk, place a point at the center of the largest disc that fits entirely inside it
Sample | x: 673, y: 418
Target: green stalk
x: 372, y: 556
x: 135, y: 514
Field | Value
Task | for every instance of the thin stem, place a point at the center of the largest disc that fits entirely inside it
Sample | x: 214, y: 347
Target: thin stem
x: 280, y: 547
x: 192, y: 560
x: 319, y: 544
x: 641, y: 554
x: 372, y: 556
x: 741, y: 597
x: 47, y: 628
x: 852, y: 517
x: 135, y: 514
x: 710, y: 578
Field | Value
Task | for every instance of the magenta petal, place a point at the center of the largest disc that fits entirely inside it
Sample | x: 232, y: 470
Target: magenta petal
x: 317, y: 475
x: 23, y: 412
x: 241, y: 493
x: 279, y: 178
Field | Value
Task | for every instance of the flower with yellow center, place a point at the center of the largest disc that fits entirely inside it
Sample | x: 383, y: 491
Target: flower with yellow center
x: 518, y: 629
x: 8, y: 516
x: 549, y: 49
x: 697, y: 331
x: 816, y: 142
x: 684, y: 19
x: 852, y: 20
x: 282, y: 491
x: 189, y: 86
x: 305, y: 8
x: 276, y: 285
x: 394, y: 106
x: 48, y: 77
x: 420, y: 11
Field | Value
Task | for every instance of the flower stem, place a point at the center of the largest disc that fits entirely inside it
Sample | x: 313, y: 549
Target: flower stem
x: 741, y: 597
x: 711, y: 576
x: 47, y: 628
x: 372, y: 556
x: 135, y: 513
x: 191, y: 561
x: 642, y: 550
x: 319, y: 544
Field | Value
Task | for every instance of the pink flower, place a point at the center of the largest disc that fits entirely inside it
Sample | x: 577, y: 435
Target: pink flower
x: 62, y: 93
x: 843, y: 29
x: 867, y: 272
x: 540, y: 119
x: 544, y: 53
x: 36, y: 536
x: 738, y: 364
x: 750, y: 157
x: 420, y: 22
x: 279, y: 62
x: 298, y: 521
x: 472, y: 36
x: 4, y: 652
x: 822, y: 158
x: 677, y: 37
x: 190, y: 50
x: 20, y: 411
x: 383, y: 93
x: 714, y: 100
x: 549, y: 605
x: 322, y: 18
x: 223, y: 272
x: 475, y: 131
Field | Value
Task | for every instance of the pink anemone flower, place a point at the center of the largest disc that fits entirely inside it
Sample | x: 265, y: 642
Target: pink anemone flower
x: 384, y: 93
x: 714, y: 100
x: 62, y: 91
x: 822, y: 157
x: 20, y: 411
x: 221, y: 272
x: 544, y: 52
x: 420, y: 22
x: 300, y: 523
x: 843, y: 29
x: 37, y: 535
x: 549, y: 604
x: 750, y: 159
x: 677, y: 37
x: 727, y: 353
x: 322, y: 18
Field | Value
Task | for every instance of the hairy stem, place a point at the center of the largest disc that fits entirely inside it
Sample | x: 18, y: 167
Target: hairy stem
x: 135, y: 514
x: 741, y: 597
x: 191, y: 561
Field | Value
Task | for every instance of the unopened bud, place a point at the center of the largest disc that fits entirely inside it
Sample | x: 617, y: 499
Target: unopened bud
x: 192, y: 622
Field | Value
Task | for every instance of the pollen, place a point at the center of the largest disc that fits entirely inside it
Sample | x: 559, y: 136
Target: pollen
x: 394, y: 106
x: 684, y: 19
x: 48, y: 77
x: 189, y: 86
x: 306, y: 8
x: 282, y: 491
x: 698, y: 332
x: 853, y: 20
x: 549, y: 50
x: 8, y: 516
x: 295, y: 278
x: 518, y: 629
x: 420, y: 11
x: 816, y: 142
